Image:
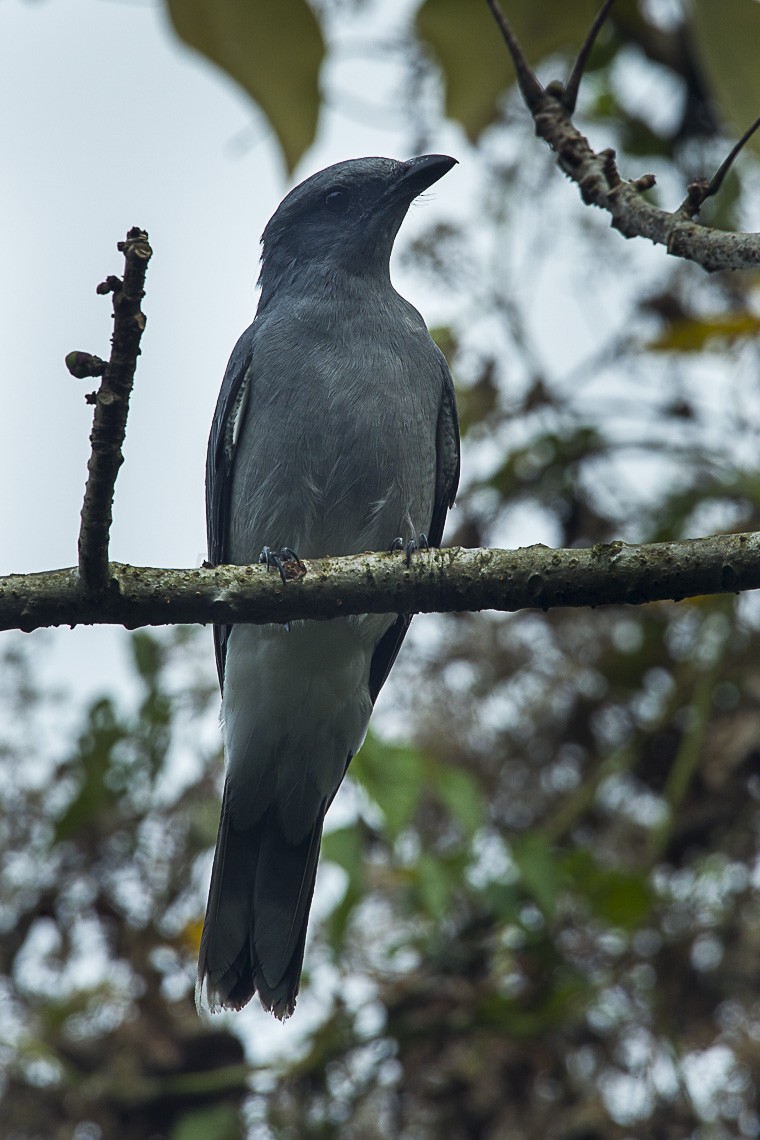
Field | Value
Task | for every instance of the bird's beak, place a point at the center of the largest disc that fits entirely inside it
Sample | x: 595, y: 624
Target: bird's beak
x: 419, y: 174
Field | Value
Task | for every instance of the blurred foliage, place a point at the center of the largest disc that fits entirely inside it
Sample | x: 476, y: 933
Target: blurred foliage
x: 728, y: 60
x: 542, y: 917
x: 274, y: 50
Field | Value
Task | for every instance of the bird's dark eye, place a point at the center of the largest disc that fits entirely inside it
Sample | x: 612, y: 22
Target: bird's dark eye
x: 337, y: 201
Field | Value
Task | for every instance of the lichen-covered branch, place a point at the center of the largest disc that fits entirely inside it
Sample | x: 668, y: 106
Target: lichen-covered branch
x: 111, y: 409
x: 438, y: 580
x: 600, y: 183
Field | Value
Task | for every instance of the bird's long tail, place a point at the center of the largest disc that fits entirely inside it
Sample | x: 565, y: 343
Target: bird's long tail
x: 258, y: 908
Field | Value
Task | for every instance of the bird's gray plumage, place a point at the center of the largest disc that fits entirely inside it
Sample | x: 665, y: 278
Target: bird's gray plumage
x: 335, y: 432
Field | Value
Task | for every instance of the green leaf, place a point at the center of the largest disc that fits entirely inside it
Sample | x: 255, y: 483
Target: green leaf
x: 272, y: 48
x: 621, y: 898
x: 434, y: 883
x: 539, y: 872
x: 96, y: 746
x: 344, y: 847
x: 393, y: 777
x: 727, y: 35
x: 473, y: 58
x: 148, y: 655
x: 219, y: 1122
x: 476, y: 68
x: 461, y: 795
x: 687, y: 334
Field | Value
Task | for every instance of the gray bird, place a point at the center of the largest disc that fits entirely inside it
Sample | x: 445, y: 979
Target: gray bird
x: 335, y: 432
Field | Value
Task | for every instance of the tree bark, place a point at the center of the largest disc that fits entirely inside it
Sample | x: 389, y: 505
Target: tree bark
x: 450, y: 580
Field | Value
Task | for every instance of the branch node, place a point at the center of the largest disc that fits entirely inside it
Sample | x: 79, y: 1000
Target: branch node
x: 644, y: 183
x: 632, y: 215
x: 555, y: 88
x: 609, y: 167
x: 111, y: 284
x: 700, y: 189
x: 83, y: 364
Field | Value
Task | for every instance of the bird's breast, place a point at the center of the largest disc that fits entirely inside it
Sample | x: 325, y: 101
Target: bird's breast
x: 336, y: 447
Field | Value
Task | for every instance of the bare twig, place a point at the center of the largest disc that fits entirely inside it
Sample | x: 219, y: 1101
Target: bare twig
x: 111, y: 408
x: 570, y: 94
x: 531, y: 89
x: 600, y: 184
x: 700, y: 190
x: 436, y: 581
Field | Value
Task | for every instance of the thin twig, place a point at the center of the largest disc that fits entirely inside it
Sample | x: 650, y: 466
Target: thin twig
x: 600, y: 183
x: 700, y: 190
x: 111, y: 409
x: 532, y: 91
x: 570, y: 93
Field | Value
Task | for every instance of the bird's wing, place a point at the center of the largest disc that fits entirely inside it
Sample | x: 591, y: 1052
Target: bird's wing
x: 219, y: 462
x: 447, y: 451
x: 446, y: 483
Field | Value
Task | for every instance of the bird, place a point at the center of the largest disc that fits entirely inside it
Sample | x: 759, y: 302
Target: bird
x: 335, y: 432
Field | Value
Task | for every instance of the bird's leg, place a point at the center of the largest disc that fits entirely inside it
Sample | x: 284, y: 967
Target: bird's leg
x: 418, y: 543
x: 278, y: 559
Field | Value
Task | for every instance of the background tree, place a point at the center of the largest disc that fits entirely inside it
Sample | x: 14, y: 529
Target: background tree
x: 541, y: 917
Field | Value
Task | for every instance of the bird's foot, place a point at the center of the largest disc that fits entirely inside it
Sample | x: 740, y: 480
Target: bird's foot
x: 418, y: 543
x: 287, y: 562
x: 283, y: 560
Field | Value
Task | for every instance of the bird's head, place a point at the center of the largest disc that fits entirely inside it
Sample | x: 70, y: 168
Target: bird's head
x: 346, y: 216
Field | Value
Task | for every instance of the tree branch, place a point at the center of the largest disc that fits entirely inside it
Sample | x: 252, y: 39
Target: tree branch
x: 111, y: 409
x: 536, y: 577
x: 600, y: 184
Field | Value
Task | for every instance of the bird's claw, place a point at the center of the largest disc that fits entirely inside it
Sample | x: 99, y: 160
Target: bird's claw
x: 279, y: 558
x: 418, y: 543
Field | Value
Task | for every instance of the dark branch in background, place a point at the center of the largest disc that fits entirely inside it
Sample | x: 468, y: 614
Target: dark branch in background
x: 111, y: 409
x: 436, y: 581
x: 599, y: 180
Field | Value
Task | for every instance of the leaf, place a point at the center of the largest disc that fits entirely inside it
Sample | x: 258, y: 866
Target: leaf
x: 460, y: 793
x: 344, y: 846
x: 148, y: 655
x: 102, y: 734
x: 538, y: 869
x: 218, y: 1122
x: 686, y: 334
x: 272, y: 48
x: 727, y: 35
x: 621, y: 898
x: 473, y: 58
x: 434, y: 883
x: 393, y: 777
